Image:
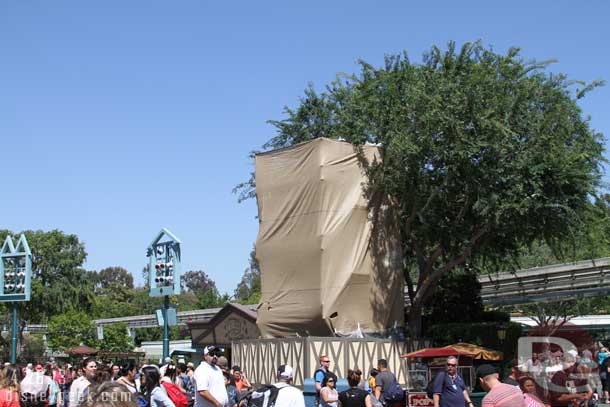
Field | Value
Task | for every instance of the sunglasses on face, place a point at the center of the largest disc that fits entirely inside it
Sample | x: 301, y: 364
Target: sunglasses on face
x: 451, y: 364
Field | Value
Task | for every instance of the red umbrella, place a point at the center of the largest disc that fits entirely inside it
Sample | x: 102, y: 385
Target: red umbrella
x: 457, y: 349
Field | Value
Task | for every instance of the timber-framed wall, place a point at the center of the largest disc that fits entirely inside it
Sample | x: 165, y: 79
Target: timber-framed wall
x: 259, y: 358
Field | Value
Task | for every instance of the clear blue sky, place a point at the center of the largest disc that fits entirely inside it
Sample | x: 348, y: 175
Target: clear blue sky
x: 118, y: 118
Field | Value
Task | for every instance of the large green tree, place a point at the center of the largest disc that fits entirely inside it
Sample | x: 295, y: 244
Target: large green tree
x: 117, y: 339
x: 71, y: 329
x: 114, y: 293
x: 482, y: 154
x: 200, y: 290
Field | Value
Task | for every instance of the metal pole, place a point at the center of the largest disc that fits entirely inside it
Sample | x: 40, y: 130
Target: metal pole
x: 14, y: 338
x: 165, y: 328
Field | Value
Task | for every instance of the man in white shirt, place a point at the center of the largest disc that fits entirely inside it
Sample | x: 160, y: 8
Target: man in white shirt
x: 77, y: 390
x: 208, y: 380
x: 287, y: 396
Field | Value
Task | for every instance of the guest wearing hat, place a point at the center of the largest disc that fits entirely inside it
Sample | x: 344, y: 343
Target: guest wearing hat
x: 208, y: 380
x: 499, y: 394
x: 288, y: 395
x: 168, y: 361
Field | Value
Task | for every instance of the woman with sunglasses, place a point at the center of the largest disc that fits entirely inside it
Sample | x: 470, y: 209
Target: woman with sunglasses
x: 328, y: 395
x: 9, y: 387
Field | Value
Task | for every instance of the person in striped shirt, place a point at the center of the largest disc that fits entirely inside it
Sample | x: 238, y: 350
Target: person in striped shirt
x: 498, y: 394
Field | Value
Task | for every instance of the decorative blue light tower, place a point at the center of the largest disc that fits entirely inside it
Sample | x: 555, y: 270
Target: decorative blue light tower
x: 164, y: 274
x: 15, y: 279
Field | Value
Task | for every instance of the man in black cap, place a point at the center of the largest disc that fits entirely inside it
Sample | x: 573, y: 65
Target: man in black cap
x: 208, y: 380
x: 498, y: 393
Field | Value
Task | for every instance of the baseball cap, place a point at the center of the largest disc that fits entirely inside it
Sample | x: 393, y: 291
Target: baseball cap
x: 285, y: 372
x: 212, y: 350
x: 485, y: 370
x: 236, y: 368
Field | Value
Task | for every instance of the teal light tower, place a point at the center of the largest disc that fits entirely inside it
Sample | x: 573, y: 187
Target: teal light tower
x: 164, y: 267
x: 15, y: 279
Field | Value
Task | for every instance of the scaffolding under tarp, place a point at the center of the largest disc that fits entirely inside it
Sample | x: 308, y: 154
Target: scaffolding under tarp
x: 326, y: 265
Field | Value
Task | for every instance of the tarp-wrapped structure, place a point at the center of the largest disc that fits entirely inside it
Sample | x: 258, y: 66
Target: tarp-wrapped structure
x: 326, y: 265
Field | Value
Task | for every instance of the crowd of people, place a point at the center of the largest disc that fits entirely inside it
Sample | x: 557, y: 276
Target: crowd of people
x: 211, y: 384
x: 51, y: 385
x: 546, y: 379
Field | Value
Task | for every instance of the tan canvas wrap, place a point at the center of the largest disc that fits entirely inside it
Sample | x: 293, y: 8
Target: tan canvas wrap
x: 323, y: 267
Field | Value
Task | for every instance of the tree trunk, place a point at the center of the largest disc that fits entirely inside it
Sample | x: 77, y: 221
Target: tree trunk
x: 415, y: 321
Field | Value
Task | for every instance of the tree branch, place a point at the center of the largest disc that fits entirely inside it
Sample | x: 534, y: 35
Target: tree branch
x: 431, y: 278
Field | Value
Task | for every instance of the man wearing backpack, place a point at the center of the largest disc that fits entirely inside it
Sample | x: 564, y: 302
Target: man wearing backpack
x: 289, y: 396
x: 449, y: 388
x: 323, y: 372
x: 387, y: 389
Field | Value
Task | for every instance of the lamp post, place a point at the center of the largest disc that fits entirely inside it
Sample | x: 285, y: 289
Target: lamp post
x: 501, y: 331
x: 165, y: 258
x: 15, y: 280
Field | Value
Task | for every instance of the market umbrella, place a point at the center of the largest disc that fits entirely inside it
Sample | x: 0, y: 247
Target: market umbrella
x: 458, y: 349
x: 436, y: 353
x: 478, y: 352
x: 82, y: 350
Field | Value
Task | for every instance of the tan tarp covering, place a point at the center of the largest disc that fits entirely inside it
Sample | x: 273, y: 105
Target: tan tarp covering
x: 323, y: 266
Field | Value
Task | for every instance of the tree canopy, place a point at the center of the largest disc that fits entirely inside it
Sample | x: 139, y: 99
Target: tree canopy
x: 482, y: 154
x: 71, y: 329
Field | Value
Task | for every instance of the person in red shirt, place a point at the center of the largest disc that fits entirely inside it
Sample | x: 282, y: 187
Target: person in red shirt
x: 241, y: 383
x: 9, y: 387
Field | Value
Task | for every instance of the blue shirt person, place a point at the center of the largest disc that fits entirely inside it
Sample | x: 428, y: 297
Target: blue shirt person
x: 449, y: 387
